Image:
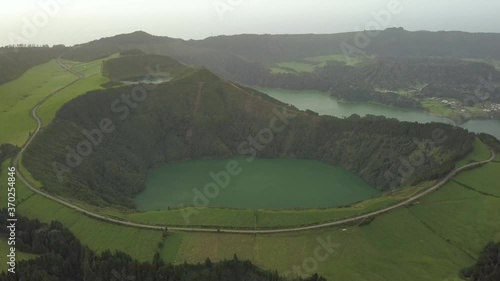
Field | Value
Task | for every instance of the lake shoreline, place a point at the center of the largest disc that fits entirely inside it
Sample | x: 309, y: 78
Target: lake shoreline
x: 325, y: 104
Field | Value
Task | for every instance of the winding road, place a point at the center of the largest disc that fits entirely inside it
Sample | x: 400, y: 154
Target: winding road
x: 208, y: 229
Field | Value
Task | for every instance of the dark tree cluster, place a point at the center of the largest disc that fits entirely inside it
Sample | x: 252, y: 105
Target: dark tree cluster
x: 7, y: 151
x: 487, y: 267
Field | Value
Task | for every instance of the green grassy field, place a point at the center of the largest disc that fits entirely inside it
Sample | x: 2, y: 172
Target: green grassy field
x: 437, y: 108
x: 18, y: 97
x: 22, y: 193
x: 484, y: 180
x: 256, y: 218
x: 431, y: 240
x: 293, y: 66
x: 481, y: 152
x: 171, y: 246
x: 98, y: 235
x: 92, y: 81
x: 310, y: 63
x: 338, y: 58
x: 493, y: 62
x: 261, y: 218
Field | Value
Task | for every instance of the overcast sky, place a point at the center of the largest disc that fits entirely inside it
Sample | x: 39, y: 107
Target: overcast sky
x: 77, y: 21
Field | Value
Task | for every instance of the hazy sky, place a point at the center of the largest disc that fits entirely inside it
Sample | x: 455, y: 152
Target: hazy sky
x: 78, y: 21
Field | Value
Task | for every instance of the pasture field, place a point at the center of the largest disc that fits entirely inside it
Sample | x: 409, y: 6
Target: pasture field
x: 98, y: 235
x: 93, y: 80
x: 201, y: 217
x: 293, y: 66
x: 171, y: 246
x: 22, y: 193
x: 481, y: 152
x: 493, y: 62
x: 338, y: 58
x: 486, y: 179
x: 18, y: 97
x: 262, y: 218
x: 431, y: 240
x: 437, y: 108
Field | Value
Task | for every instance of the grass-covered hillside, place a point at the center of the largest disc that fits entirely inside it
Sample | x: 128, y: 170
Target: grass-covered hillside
x: 52, y: 252
x: 100, y: 145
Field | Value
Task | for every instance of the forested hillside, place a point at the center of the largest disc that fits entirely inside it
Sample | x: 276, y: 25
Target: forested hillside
x: 204, y: 117
x: 136, y: 66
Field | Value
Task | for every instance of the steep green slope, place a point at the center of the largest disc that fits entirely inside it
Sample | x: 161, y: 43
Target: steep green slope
x: 100, y: 145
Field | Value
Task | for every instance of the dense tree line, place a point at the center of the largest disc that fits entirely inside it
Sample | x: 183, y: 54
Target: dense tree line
x: 132, y: 66
x: 7, y: 151
x: 61, y: 256
x: 175, y: 122
x: 487, y: 267
x: 491, y: 141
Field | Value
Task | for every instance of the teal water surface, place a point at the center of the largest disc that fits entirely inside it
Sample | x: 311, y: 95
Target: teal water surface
x: 261, y: 184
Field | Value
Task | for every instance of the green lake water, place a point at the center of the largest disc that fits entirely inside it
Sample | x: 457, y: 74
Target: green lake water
x: 323, y: 103
x: 262, y: 183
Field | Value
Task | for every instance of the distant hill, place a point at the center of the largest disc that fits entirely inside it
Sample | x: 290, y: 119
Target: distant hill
x: 393, y: 59
x: 107, y: 46
x: 268, y: 49
x: 201, y: 116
